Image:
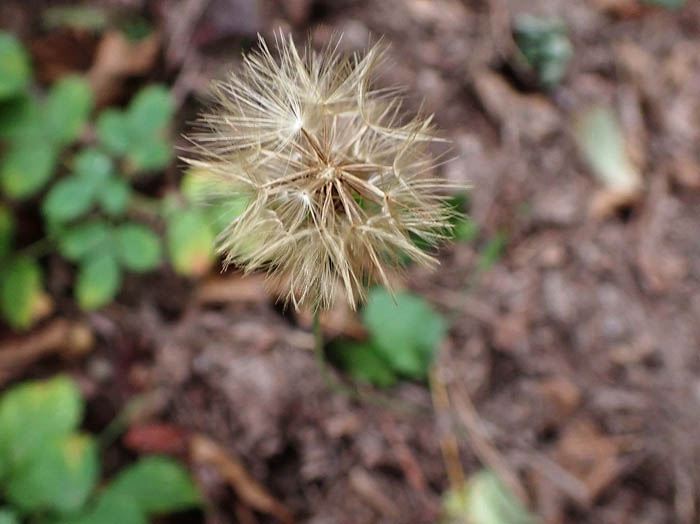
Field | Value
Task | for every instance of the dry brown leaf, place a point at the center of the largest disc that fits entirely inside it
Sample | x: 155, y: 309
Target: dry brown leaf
x: 205, y: 451
x: 118, y: 58
x: 59, y: 336
x: 589, y: 455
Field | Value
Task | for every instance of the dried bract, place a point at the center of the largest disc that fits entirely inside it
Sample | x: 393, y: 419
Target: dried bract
x: 340, y: 183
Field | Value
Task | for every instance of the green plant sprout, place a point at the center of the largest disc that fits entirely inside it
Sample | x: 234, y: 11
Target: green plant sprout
x: 83, y: 189
x: 49, y: 470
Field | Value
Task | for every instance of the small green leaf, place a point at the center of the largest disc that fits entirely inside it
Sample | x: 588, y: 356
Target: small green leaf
x: 115, y: 196
x: 112, y: 508
x: 138, y: 248
x: 25, y: 168
x: 113, y: 131
x: 19, y: 119
x: 8, y: 516
x: 33, y: 413
x: 190, y: 243
x: 93, y: 164
x: 362, y: 362
x: 81, y: 17
x: 83, y: 239
x: 20, y: 288
x: 67, y: 108
x: 157, y: 485
x: 670, y: 4
x: 406, y: 333
x: 7, y: 230
x: 59, y: 476
x: 483, y: 499
x: 98, y: 280
x: 602, y: 143
x: 70, y: 198
x: 150, y: 154
x: 15, y: 71
x: 492, y: 252
x: 150, y: 111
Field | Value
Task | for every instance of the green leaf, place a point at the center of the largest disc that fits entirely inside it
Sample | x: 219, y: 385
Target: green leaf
x: 190, y: 243
x: 157, y: 485
x: 25, y: 168
x: 19, y: 119
x: 544, y: 42
x: 602, y: 143
x: 113, y: 131
x: 59, y: 476
x: 83, y: 239
x: 98, y: 280
x: 492, y: 252
x: 67, y: 108
x: 81, y: 17
x: 670, y: 4
x: 93, y: 164
x: 138, y: 248
x: 15, y: 71
x: 20, y: 288
x: 150, y: 154
x: 150, y: 111
x: 112, y: 508
x: 362, y: 362
x: 70, y: 198
x: 8, y: 516
x: 406, y: 333
x: 115, y: 196
x: 7, y: 230
x: 33, y: 413
x: 483, y: 499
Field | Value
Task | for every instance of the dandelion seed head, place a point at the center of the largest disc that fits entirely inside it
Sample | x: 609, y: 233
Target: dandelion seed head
x: 340, y: 182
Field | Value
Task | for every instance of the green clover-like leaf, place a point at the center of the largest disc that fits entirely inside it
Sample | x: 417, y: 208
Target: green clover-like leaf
x: 137, y: 247
x: 20, y: 289
x: 15, y: 70
x: 98, y: 280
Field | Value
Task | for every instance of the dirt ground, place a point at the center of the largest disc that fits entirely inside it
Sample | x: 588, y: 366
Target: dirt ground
x: 572, y: 366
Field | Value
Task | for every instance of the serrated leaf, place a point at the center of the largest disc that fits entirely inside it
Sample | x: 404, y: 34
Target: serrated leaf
x: 150, y: 111
x: 115, y: 196
x: 150, y: 154
x: 25, y: 168
x: 15, y: 71
x: 190, y: 243
x: 20, y: 288
x: 58, y: 477
x: 70, y: 198
x: 7, y: 229
x: 483, y: 499
x: 67, y: 108
x: 19, y: 119
x: 137, y: 247
x: 33, y: 413
x: 93, y: 164
x: 7, y: 516
x: 406, y: 333
x: 157, y: 485
x: 112, y: 508
x: 98, y: 280
x: 83, y: 239
x: 362, y: 362
x: 113, y: 131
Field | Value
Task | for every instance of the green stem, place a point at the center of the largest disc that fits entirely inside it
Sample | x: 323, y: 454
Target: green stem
x: 338, y: 387
x: 328, y: 378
